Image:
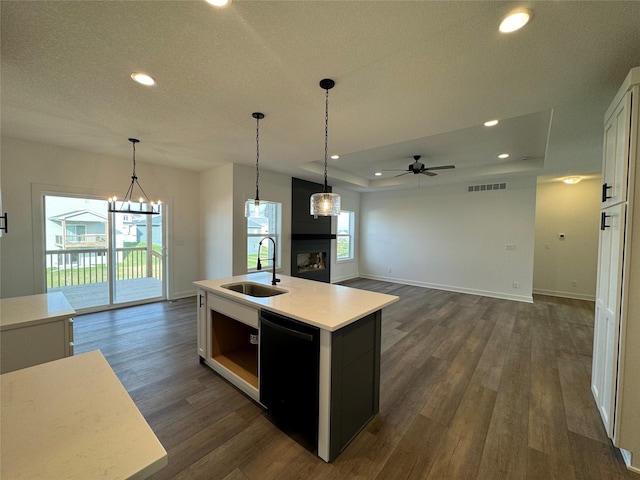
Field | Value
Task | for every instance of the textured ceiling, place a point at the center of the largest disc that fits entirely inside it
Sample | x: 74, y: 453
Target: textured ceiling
x: 411, y: 78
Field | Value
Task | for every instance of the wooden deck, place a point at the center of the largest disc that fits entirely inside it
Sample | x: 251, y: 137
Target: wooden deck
x: 472, y: 388
x: 94, y: 295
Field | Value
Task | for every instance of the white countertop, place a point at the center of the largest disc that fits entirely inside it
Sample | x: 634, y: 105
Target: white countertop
x: 73, y: 419
x: 33, y: 309
x: 323, y: 305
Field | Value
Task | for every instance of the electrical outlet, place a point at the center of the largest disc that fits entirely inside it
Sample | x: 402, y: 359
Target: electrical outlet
x: 574, y: 283
x: 515, y: 285
x: 389, y: 270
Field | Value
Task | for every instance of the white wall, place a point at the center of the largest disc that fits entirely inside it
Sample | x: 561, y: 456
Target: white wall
x: 28, y: 166
x: 216, y: 207
x: 346, y: 269
x: 574, y: 211
x: 445, y: 238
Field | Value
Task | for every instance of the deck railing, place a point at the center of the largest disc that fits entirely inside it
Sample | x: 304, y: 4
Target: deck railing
x: 91, y: 265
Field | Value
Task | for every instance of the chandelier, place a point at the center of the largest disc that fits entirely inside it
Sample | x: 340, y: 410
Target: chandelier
x: 128, y: 204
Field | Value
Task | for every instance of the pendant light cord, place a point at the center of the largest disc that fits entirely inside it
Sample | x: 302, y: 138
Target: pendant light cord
x: 326, y: 137
x: 133, y: 143
x: 257, y: 154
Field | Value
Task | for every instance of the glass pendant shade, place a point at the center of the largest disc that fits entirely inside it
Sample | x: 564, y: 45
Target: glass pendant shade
x: 252, y: 208
x: 325, y: 204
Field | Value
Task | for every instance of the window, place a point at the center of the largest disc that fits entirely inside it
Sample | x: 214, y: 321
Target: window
x: 346, y: 221
x: 268, y: 224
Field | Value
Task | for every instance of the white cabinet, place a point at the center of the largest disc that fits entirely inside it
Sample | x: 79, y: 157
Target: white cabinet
x: 35, y: 329
x: 615, y: 381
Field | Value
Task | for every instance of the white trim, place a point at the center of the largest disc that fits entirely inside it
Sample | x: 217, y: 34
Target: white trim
x: 449, y: 288
x: 324, y: 396
x: 554, y: 293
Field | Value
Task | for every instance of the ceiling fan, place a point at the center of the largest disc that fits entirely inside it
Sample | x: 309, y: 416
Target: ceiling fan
x: 418, y: 167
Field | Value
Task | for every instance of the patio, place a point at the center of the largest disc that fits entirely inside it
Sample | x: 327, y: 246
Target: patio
x: 92, y: 295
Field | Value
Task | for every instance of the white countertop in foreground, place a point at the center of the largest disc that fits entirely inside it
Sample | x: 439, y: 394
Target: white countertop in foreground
x: 33, y: 309
x: 323, y: 305
x: 73, y: 419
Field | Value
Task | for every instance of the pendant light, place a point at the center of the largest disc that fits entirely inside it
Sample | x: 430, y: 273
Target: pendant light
x: 325, y: 204
x: 128, y: 204
x: 252, y: 207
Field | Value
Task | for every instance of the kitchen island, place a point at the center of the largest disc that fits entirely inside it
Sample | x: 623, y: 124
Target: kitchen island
x: 348, y: 325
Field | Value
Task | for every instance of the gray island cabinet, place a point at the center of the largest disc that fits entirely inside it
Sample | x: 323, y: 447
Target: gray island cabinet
x: 348, y: 325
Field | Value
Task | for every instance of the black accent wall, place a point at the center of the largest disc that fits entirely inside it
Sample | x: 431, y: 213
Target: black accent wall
x: 309, y: 234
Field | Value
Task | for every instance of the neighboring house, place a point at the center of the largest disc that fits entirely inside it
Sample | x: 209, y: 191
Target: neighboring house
x: 77, y: 229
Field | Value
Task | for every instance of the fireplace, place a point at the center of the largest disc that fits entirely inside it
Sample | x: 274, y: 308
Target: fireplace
x: 311, y: 259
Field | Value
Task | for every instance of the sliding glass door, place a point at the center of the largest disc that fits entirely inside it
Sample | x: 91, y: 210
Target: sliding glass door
x: 98, y: 259
x: 137, y: 265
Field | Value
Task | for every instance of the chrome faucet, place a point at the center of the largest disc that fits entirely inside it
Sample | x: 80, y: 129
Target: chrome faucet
x: 274, y: 280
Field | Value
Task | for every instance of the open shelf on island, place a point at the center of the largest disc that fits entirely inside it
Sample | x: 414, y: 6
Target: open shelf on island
x: 231, y: 347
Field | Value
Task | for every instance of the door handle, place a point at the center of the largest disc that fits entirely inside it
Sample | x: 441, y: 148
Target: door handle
x: 605, y: 187
x: 5, y: 227
x: 603, y: 221
x: 200, y: 299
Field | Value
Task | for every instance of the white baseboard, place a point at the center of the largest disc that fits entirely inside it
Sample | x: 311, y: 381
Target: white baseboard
x: 185, y: 294
x: 627, y: 457
x: 450, y: 288
x: 554, y: 293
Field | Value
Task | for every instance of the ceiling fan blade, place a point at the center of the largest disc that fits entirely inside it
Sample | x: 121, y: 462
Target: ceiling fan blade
x: 426, y: 172
x: 405, y: 173
x: 442, y: 167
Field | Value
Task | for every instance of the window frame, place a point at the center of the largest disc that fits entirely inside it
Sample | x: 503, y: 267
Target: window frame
x: 277, y: 236
x: 350, y: 236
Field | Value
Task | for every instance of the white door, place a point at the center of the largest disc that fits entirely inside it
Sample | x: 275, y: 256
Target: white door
x: 607, y: 321
x: 616, y: 154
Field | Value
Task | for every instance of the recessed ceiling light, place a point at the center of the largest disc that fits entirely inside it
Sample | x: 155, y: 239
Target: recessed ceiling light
x: 377, y: 174
x: 491, y: 123
x: 143, y: 78
x: 515, y: 20
x: 219, y: 3
x: 503, y: 155
x: 335, y: 157
x: 571, y: 180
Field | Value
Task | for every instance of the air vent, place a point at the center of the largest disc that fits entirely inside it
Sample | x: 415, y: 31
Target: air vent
x: 487, y: 187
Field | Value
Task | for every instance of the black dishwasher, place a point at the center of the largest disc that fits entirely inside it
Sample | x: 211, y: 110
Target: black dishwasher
x: 289, y: 369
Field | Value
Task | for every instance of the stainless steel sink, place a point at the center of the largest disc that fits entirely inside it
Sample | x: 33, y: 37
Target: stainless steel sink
x: 254, y: 289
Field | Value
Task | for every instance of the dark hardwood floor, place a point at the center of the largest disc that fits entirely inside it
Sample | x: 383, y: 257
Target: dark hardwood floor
x: 471, y: 388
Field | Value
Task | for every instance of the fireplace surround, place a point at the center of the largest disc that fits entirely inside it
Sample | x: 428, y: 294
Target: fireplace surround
x: 310, y: 237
